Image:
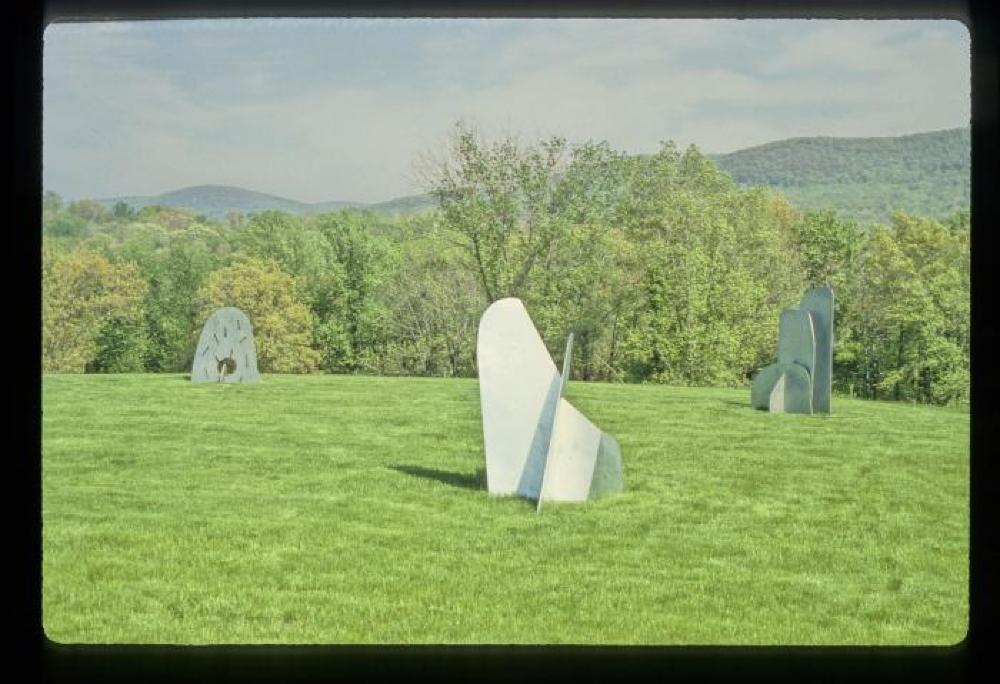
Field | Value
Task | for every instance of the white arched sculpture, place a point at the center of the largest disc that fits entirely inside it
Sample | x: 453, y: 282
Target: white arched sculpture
x: 537, y: 444
x: 226, y: 350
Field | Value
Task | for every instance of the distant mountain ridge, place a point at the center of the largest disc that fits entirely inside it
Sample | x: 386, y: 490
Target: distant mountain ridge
x: 216, y: 201
x: 863, y: 178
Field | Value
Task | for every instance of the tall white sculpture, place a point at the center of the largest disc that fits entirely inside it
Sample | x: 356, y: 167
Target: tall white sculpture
x: 537, y: 444
x: 226, y: 350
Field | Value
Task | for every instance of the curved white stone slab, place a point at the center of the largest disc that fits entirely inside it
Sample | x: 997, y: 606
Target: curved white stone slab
x: 226, y: 351
x: 518, y: 390
x: 572, y: 456
x: 537, y: 444
x: 818, y: 301
x: 574, y: 450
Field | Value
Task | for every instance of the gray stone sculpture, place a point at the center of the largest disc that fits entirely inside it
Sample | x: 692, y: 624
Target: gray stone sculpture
x: 226, y: 350
x: 818, y: 301
x: 782, y: 388
x: 797, y: 339
x: 800, y: 381
x: 537, y: 444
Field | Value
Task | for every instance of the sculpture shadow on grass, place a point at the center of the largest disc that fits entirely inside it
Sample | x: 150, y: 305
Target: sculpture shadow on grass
x: 476, y: 480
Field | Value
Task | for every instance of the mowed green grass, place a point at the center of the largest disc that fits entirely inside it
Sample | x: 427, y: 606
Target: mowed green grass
x: 345, y: 509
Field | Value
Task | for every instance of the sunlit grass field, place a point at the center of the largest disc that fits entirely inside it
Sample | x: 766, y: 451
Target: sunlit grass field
x: 346, y: 509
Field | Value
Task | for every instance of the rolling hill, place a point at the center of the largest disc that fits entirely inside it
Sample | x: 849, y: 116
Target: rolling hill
x: 863, y: 178
x: 215, y: 201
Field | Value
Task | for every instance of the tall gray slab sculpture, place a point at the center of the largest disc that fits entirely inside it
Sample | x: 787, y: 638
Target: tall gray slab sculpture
x: 226, y: 351
x: 537, y: 444
x: 818, y: 301
x: 805, y: 341
x: 796, y: 339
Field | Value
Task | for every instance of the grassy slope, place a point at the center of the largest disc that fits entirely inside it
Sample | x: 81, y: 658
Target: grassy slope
x: 349, y: 509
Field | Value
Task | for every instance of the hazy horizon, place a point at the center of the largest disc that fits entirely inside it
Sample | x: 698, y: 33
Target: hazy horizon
x: 319, y: 110
x: 385, y: 199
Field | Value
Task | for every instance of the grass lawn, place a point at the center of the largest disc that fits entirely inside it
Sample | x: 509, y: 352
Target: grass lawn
x: 345, y: 509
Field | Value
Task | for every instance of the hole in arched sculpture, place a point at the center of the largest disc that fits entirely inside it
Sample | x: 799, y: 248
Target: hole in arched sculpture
x: 227, y: 366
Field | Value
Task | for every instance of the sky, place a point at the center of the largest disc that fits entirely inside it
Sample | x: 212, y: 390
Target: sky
x: 342, y: 109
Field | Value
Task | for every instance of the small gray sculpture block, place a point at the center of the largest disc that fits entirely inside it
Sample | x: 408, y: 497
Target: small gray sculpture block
x: 761, y: 386
x: 792, y: 393
x: 536, y: 443
x: 782, y: 388
x: 226, y: 351
x: 818, y: 301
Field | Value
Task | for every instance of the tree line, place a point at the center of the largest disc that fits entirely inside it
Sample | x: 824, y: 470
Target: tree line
x: 665, y: 270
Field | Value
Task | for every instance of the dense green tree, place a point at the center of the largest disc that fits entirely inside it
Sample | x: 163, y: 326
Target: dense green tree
x: 588, y: 276
x: 911, y: 312
x: 122, y: 211
x: 282, y: 238
x: 283, y: 323
x: 120, y: 345
x: 354, y: 310
x: 830, y: 250
x: 66, y: 225
x: 89, y: 210
x: 83, y: 295
x: 538, y: 222
x: 168, y: 217
x: 498, y: 197
x: 303, y: 250
x: 828, y: 247
x: 718, y: 264
x: 584, y: 288
x: 435, y: 305
x: 171, y: 313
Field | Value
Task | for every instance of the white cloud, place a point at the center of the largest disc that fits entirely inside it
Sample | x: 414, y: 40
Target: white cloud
x: 128, y: 111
